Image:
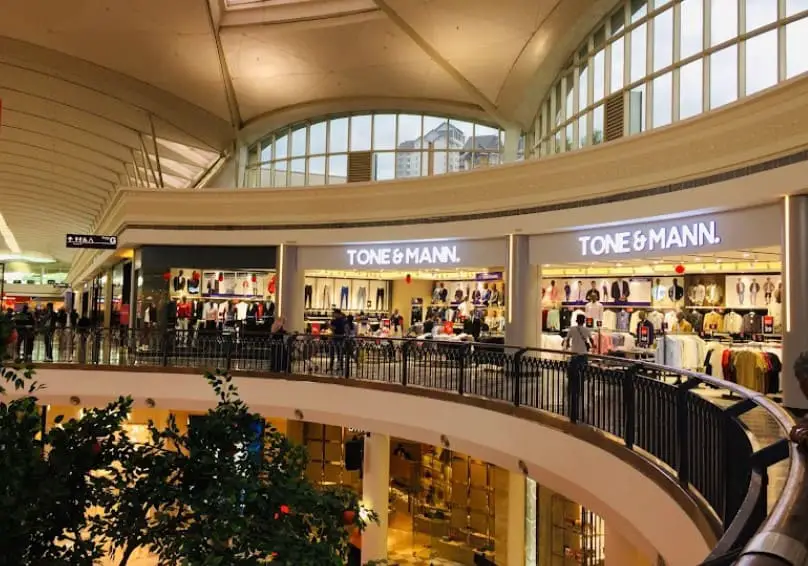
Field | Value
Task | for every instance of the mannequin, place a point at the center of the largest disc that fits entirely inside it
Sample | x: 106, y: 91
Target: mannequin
x: 179, y: 282
x: 676, y: 292
x: 593, y: 295
x: 698, y: 293
x: 494, y: 300
x: 567, y: 291
x: 644, y: 322
x: 486, y: 298
x: 620, y: 290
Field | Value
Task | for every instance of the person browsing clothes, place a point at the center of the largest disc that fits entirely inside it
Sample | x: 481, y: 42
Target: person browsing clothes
x: 579, y: 338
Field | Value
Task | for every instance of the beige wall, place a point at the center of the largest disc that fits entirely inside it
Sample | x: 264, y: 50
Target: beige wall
x: 404, y: 293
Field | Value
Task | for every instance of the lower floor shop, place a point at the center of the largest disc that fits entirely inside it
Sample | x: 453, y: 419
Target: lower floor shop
x: 443, y: 507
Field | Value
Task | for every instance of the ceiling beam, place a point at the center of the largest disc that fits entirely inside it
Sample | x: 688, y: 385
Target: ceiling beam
x: 214, y: 16
x: 475, y: 93
x: 15, y: 170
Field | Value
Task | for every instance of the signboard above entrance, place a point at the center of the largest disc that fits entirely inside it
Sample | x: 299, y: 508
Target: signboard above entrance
x: 405, y: 255
x: 91, y: 242
x: 678, y: 237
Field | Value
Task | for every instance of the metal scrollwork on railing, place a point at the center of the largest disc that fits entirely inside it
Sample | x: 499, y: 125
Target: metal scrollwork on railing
x: 654, y: 410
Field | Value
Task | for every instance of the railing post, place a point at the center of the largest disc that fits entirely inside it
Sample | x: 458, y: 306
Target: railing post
x: 347, y: 355
x: 630, y: 405
x: 461, y: 369
x: 164, y: 347
x: 405, y: 364
x: 683, y: 434
x: 516, y: 374
x: 228, y: 352
x: 575, y: 367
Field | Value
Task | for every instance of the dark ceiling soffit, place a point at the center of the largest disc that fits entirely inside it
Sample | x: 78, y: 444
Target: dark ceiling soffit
x: 784, y: 161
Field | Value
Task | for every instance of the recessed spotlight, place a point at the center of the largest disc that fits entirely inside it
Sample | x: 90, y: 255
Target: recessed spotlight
x: 746, y: 254
x: 619, y: 265
x: 698, y: 259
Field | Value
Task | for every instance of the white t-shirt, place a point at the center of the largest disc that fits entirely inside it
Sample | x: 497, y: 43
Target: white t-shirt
x: 579, y: 339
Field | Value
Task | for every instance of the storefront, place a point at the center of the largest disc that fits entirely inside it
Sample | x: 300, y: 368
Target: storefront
x: 683, y: 292
x: 457, y: 285
x: 188, y: 288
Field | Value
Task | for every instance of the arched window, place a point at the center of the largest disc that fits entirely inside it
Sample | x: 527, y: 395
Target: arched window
x: 655, y: 62
x: 393, y: 145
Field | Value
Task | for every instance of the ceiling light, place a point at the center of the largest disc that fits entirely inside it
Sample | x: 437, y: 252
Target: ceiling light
x: 698, y: 259
x: 718, y: 261
x: 746, y: 254
x: 619, y: 265
x: 11, y: 241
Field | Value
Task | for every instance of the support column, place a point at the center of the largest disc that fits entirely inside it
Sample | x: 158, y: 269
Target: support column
x: 290, y: 288
x: 523, y: 320
x: 516, y: 520
x: 106, y: 334
x: 621, y: 552
x: 375, y: 495
x: 795, y: 295
x: 510, y: 150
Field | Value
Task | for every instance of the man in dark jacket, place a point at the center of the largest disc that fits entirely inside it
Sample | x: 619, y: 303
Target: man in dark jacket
x: 24, y: 322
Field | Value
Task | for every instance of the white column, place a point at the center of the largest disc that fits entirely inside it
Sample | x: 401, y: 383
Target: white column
x: 621, y: 551
x: 290, y: 288
x: 510, y: 150
x: 523, y: 320
x: 375, y: 495
x: 795, y: 296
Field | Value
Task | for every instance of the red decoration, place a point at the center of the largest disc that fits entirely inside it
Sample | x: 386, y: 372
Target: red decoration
x: 254, y: 278
x: 96, y: 447
x: 680, y: 269
x: 167, y: 276
x: 221, y: 277
x: 195, y: 276
x: 408, y: 279
x: 285, y: 509
x: 348, y: 517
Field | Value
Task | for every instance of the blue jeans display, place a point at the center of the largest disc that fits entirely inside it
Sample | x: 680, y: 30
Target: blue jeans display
x: 344, y: 294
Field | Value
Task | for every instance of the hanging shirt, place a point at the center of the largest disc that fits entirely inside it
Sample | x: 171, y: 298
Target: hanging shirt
x: 594, y: 311
x: 623, y: 321
x: 659, y: 293
x: 610, y: 320
x: 698, y: 294
x: 733, y: 323
x: 656, y: 318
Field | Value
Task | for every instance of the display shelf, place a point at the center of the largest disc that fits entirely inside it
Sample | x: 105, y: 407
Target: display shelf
x: 577, y: 535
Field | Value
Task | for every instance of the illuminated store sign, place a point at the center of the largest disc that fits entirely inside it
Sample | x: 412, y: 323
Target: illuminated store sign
x: 409, y: 255
x: 665, y: 238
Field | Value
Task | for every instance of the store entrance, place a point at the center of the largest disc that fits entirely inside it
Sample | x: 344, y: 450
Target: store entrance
x: 719, y: 313
x: 450, y: 303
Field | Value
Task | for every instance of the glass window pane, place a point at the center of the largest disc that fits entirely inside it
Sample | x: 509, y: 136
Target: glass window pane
x: 463, y: 134
x: 797, y: 48
x: 559, y: 104
x: 337, y: 169
x: 723, y: 21
x: 636, y: 110
x: 455, y: 161
x: 266, y: 150
x: 724, y: 76
x: 281, y: 169
x: 663, y: 40
x: 317, y: 138
x: 558, y: 144
x: 692, y: 40
x: 281, y: 146
x: 690, y: 89
x: 436, y: 134
x: 569, y: 98
x: 384, y: 131
x: 317, y: 171
x: 639, y: 8
x: 598, y: 71
x: 569, y: 138
x: 338, y: 135
x: 408, y: 164
x: 299, y: 142
x: 638, y: 52
x: 409, y: 130
x: 663, y: 100
x: 796, y: 6
x: 618, y: 60
x: 759, y: 13
x: 583, y: 135
x: 597, y: 125
x: 384, y: 166
x: 297, y: 174
x: 266, y: 176
x: 618, y: 20
x: 599, y: 38
x: 761, y: 62
x: 439, y: 166
x: 360, y: 132
x: 583, y: 87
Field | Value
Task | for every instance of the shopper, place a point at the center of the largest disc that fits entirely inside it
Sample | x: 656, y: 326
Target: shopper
x: 579, y: 338
x: 338, y: 327
x: 24, y: 322
x: 46, y: 326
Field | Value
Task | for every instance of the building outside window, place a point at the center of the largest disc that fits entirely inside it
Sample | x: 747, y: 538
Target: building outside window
x: 402, y: 146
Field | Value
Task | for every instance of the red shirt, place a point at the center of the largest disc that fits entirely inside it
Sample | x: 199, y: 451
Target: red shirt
x: 184, y: 310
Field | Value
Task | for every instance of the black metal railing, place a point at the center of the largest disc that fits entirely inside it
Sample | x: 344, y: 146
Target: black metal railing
x: 653, y: 409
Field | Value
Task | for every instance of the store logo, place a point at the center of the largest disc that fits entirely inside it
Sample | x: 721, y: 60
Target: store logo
x: 695, y: 235
x: 420, y: 255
